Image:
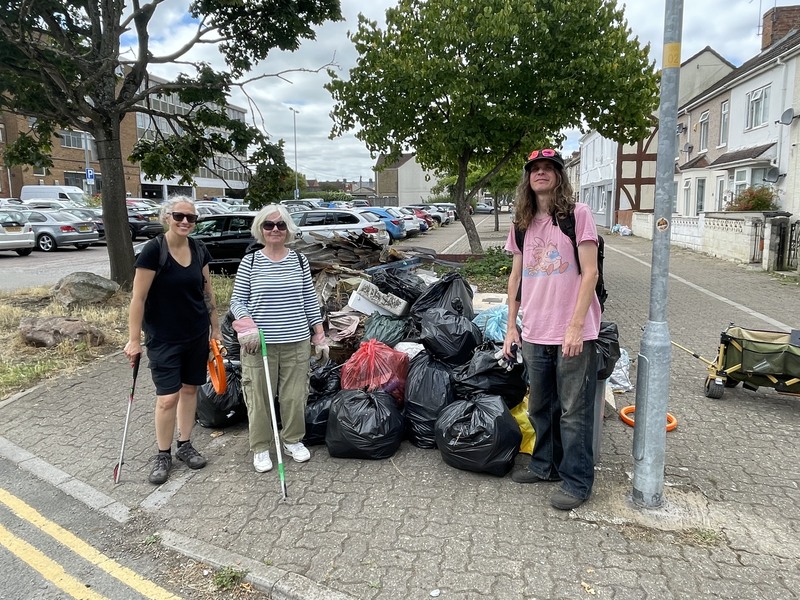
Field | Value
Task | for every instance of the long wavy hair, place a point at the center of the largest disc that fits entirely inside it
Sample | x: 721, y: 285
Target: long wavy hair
x: 525, y: 199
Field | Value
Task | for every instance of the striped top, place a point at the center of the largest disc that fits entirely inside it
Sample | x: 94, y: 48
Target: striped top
x: 278, y: 296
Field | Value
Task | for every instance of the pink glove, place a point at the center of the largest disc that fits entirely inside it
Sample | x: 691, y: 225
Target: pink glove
x: 247, y: 333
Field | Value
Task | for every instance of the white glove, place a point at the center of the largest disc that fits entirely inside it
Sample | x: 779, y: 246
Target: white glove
x: 247, y: 334
x: 509, y: 363
x: 322, y: 348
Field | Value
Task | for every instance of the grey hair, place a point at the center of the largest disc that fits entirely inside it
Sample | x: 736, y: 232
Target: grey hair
x: 170, y: 204
x: 291, y: 228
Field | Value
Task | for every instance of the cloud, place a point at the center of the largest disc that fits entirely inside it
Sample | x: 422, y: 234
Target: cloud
x: 731, y: 27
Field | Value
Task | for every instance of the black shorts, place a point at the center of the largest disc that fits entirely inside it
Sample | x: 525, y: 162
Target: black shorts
x: 173, y: 364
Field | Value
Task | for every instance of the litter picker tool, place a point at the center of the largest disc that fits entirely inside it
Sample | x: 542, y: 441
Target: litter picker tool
x: 216, y: 367
x: 118, y: 466
x: 281, y: 474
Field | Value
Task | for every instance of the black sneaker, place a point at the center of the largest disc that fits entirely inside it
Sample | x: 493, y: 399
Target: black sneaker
x: 563, y: 501
x: 190, y: 456
x: 526, y: 476
x: 162, y: 463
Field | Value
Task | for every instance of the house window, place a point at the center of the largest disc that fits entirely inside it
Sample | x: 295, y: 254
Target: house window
x: 2, y: 134
x: 674, y: 196
x: 724, y: 111
x: 687, y: 197
x: 757, y: 176
x: 39, y: 171
x: 704, y: 131
x: 739, y: 181
x: 71, y: 139
x: 700, y: 196
x: 757, y: 107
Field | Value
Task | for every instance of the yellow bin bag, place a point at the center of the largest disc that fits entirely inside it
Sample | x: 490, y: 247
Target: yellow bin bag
x: 520, y: 413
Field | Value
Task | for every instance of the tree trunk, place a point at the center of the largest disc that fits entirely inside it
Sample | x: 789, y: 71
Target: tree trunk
x: 115, y: 211
x: 463, y: 211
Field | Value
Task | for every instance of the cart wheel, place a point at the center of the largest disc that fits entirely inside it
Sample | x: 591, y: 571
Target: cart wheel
x: 731, y: 383
x: 713, y: 389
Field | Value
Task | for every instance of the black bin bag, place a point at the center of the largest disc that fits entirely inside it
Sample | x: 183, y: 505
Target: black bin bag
x: 324, y: 384
x: 452, y: 293
x: 478, y: 434
x: 400, y: 282
x: 608, y: 351
x: 364, y: 425
x: 483, y: 373
x: 229, y: 339
x: 428, y: 391
x: 222, y: 410
x: 449, y: 337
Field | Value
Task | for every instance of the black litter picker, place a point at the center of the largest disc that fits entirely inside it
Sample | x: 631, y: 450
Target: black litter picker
x: 754, y: 358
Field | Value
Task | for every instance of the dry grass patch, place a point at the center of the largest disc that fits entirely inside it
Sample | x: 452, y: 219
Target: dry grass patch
x: 23, y: 366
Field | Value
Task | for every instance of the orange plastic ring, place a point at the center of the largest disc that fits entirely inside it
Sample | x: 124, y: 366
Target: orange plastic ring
x: 216, y: 368
x: 626, y: 414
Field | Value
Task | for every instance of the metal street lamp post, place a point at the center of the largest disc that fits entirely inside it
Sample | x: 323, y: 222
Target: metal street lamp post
x: 294, y: 122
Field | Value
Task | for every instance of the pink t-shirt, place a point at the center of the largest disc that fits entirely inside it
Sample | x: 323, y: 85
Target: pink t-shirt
x: 550, y: 279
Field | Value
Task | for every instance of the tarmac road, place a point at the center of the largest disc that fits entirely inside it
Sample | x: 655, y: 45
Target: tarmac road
x: 411, y: 525
x: 47, y: 268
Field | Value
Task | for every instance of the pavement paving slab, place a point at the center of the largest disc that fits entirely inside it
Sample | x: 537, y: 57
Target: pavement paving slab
x: 412, y: 527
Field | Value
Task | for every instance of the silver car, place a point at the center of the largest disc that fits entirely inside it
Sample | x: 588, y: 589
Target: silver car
x: 16, y: 233
x: 54, y: 229
x: 325, y: 221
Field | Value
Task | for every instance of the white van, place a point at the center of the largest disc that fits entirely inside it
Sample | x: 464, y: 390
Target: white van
x: 65, y: 193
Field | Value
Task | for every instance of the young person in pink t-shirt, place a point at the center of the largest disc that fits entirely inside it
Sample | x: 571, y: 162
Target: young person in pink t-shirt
x: 560, y: 323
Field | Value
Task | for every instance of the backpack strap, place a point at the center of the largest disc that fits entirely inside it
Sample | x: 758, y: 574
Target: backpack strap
x: 519, y: 237
x: 163, y: 252
x: 567, y: 227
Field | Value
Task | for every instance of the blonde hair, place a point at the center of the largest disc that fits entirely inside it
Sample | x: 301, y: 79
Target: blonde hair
x: 171, y: 203
x: 291, y: 228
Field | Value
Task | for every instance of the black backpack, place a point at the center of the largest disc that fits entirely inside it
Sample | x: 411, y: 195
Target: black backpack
x: 163, y: 251
x: 567, y: 226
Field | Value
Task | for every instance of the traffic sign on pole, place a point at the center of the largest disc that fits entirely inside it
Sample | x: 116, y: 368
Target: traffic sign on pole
x: 90, y: 175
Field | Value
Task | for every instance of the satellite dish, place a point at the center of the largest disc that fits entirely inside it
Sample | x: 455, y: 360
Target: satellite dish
x: 687, y: 147
x: 787, y: 117
x: 773, y: 174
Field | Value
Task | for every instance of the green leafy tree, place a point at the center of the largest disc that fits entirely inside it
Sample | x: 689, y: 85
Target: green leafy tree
x: 82, y: 65
x: 489, y: 80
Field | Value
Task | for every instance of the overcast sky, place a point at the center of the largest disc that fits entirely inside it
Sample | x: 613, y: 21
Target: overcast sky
x: 731, y: 27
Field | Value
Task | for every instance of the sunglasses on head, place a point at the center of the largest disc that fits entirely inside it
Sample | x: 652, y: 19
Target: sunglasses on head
x: 269, y: 225
x: 179, y: 216
x: 546, y: 153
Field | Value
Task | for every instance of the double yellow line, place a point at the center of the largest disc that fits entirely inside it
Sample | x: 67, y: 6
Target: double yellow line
x: 54, y: 572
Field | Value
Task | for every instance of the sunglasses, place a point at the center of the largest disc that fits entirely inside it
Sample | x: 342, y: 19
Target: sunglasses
x: 546, y: 153
x: 179, y: 216
x: 269, y: 225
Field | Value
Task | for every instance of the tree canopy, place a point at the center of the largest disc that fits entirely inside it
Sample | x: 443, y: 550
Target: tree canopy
x: 84, y: 65
x: 489, y: 80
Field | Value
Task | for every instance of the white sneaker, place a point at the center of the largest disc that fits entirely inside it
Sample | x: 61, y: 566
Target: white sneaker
x: 297, y: 451
x: 262, y: 462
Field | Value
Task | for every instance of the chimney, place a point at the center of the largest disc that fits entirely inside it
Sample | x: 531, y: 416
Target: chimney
x: 778, y: 21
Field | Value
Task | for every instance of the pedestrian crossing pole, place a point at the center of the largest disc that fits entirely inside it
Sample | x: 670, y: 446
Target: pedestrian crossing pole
x: 655, y: 354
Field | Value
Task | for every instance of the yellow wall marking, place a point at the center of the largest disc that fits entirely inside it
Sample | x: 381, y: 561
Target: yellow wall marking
x: 130, y: 578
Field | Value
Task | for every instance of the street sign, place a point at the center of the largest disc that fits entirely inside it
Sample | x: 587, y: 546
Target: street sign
x: 90, y: 175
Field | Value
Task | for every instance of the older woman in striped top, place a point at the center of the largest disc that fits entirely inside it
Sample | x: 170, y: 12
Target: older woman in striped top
x: 273, y: 293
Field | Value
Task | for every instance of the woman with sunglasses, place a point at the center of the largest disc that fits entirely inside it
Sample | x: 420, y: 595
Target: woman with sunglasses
x: 560, y: 321
x: 173, y: 302
x: 273, y: 293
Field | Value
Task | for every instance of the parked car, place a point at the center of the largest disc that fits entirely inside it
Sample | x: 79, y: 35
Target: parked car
x: 16, y: 233
x: 360, y: 203
x: 10, y: 202
x: 426, y: 217
x: 483, y: 208
x: 440, y: 215
x: 144, y: 203
x: 450, y: 208
x: 211, y: 208
x: 227, y: 237
x: 413, y: 223
x: 90, y: 214
x: 144, y: 223
x: 54, y: 229
x: 395, y: 225
x: 326, y: 221
x: 47, y: 204
x: 68, y: 193
x: 307, y: 202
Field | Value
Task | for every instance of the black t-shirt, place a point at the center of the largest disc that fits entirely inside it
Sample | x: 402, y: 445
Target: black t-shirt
x: 175, y: 310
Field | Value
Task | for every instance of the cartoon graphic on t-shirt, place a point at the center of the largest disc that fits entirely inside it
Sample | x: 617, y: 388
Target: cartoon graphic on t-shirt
x: 546, y: 259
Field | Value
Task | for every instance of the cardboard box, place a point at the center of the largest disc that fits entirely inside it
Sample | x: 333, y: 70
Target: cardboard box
x: 386, y: 304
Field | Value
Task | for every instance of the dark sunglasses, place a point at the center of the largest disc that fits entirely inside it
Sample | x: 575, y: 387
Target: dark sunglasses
x: 546, y: 153
x: 179, y: 216
x: 269, y: 225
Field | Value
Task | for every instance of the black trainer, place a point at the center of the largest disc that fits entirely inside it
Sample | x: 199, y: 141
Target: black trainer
x: 563, y: 501
x: 162, y: 463
x: 526, y: 476
x: 190, y: 456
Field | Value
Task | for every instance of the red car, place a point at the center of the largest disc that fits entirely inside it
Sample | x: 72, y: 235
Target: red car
x: 421, y: 214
